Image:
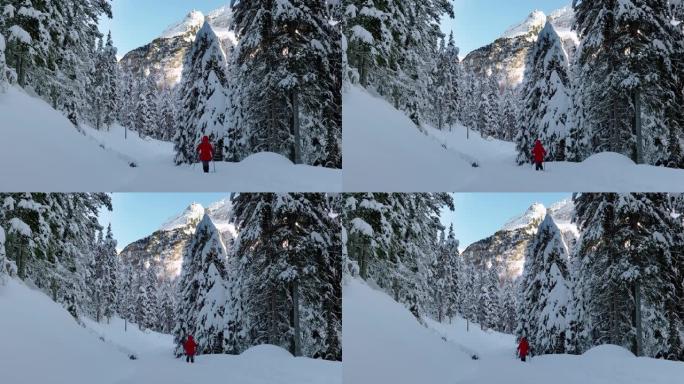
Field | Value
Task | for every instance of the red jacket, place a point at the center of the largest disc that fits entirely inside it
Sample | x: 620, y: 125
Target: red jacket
x: 539, y: 152
x: 190, y: 346
x: 206, y: 151
x: 523, y: 347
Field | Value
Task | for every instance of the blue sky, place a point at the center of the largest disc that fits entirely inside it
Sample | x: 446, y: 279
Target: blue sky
x: 137, y: 215
x: 480, y: 215
x: 480, y: 22
x: 138, y: 22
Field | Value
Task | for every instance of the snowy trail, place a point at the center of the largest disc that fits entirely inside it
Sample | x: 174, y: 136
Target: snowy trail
x: 384, y: 151
x: 384, y: 343
x: 41, y: 343
x: 41, y: 151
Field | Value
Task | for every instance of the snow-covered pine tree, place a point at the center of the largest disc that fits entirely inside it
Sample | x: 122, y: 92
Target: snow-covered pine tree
x: 390, y: 48
x: 286, y: 94
x: 545, y: 291
x: 287, y: 252
x: 620, y: 71
x: 489, y: 120
x: 147, y: 299
x: 166, y: 110
x: 626, y: 272
x: 146, y: 118
x: 203, y: 96
x: 109, y: 92
x: 507, y: 305
x: 166, y: 307
x: 546, y: 98
x: 3, y: 257
x: 203, y: 292
x: 489, y: 298
x: 128, y: 95
x: 444, y: 93
x: 7, y: 74
x: 508, y: 112
x: 50, y: 237
x: 52, y: 54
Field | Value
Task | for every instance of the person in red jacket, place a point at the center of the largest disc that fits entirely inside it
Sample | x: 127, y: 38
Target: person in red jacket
x: 190, y: 348
x: 523, y: 348
x: 539, y: 154
x: 206, y: 153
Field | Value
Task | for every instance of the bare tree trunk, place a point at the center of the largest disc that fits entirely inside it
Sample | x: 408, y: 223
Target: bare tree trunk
x: 295, y: 317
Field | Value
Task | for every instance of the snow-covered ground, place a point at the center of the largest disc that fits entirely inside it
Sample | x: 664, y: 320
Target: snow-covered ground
x: 41, y: 151
x: 41, y: 343
x: 383, y: 343
x: 384, y: 151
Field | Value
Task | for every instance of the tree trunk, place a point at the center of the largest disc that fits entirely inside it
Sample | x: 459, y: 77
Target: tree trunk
x: 296, y: 129
x: 637, y: 316
x: 295, y: 318
x: 637, y: 127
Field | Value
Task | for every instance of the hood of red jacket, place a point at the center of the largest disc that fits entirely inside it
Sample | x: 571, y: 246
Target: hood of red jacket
x: 205, y: 140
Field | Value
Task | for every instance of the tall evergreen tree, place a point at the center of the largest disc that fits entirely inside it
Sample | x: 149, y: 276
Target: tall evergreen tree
x: 543, y: 316
x: 546, y: 99
x: 204, y: 294
x: 203, y: 96
x: 628, y: 68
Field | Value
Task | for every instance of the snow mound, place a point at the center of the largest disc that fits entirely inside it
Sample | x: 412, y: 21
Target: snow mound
x: 608, y: 351
x: 270, y: 352
x: 267, y: 158
x: 610, y: 158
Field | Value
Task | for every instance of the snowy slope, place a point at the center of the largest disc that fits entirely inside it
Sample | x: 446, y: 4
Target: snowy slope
x: 383, y: 343
x: 41, y: 151
x: 41, y: 343
x: 383, y: 150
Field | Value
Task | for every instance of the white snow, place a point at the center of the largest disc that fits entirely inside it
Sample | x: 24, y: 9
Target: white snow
x: 18, y: 226
x: 383, y: 343
x: 41, y: 151
x: 41, y: 343
x: 385, y: 151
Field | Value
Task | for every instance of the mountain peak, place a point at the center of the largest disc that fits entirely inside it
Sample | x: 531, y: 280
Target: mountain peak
x: 192, y: 214
x: 192, y: 22
x: 533, y: 24
x: 535, y: 213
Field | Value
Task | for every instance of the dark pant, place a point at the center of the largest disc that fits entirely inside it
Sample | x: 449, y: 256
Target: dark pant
x: 522, y: 358
x: 540, y: 166
x: 205, y: 165
x: 189, y: 358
